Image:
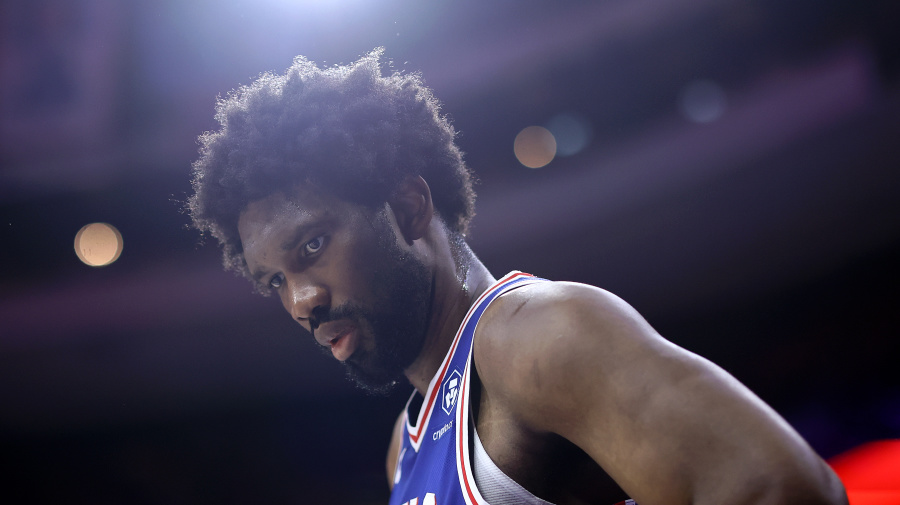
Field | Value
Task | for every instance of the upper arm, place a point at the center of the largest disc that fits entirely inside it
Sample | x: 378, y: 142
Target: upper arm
x: 666, y: 424
x: 393, y: 452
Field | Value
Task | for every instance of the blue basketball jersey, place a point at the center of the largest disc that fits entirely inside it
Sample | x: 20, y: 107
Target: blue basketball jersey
x: 433, y: 467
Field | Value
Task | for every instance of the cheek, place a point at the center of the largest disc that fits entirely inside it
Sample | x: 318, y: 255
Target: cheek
x: 352, y: 263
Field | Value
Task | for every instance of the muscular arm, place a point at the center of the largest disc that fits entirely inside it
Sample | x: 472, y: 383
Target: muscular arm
x: 669, y: 426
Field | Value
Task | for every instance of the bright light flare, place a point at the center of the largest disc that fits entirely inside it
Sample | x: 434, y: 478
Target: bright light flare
x: 535, y: 147
x: 98, y: 244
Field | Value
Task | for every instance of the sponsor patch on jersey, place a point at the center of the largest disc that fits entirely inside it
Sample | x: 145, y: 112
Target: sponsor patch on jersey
x: 450, y: 390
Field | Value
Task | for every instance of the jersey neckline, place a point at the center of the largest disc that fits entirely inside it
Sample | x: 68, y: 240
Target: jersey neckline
x: 415, y: 431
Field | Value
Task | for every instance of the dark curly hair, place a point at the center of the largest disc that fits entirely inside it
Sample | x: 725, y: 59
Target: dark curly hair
x: 345, y: 129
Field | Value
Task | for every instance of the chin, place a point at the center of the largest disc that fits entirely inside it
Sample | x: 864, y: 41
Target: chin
x: 373, y: 384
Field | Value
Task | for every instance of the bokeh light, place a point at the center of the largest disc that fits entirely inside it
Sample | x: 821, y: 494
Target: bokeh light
x: 535, y: 147
x: 702, y: 101
x: 572, y: 133
x: 98, y: 244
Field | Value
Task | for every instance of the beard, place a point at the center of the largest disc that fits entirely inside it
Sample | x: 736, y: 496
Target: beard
x: 402, y: 286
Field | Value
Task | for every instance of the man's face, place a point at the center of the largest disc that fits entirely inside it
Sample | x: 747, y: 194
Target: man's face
x: 341, y: 272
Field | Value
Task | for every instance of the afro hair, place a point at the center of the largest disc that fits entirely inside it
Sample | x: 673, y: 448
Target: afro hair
x: 344, y: 129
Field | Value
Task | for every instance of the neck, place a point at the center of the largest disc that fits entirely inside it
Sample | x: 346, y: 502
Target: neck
x: 459, y: 279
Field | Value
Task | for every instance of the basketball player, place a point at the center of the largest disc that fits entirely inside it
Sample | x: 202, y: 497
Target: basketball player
x: 341, y: 192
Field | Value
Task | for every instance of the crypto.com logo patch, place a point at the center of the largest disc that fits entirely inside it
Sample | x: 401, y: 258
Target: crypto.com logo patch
x: 450, y: 390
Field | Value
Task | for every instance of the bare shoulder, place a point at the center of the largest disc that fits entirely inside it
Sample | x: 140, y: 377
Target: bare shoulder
x: 550, y: 329
x: 556, y: 307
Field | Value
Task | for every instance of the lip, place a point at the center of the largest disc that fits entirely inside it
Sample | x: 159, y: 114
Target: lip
x: 341, y: 336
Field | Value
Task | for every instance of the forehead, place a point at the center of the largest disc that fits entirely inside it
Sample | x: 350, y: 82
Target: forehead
x: 278, y: 208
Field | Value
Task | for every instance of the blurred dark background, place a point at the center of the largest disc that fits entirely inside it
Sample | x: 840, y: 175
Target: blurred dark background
x: 730, y: 169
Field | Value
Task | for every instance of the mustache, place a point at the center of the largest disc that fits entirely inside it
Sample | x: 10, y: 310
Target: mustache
x: 322, y: 315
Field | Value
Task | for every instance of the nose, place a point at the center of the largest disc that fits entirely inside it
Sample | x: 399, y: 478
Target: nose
x: 302, y: 301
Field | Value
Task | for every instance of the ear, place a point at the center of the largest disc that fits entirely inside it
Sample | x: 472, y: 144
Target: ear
x: 412, y: 207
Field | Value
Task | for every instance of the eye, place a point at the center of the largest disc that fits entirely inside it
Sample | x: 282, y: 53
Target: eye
x: 314, y: 245
x: 276, y: 281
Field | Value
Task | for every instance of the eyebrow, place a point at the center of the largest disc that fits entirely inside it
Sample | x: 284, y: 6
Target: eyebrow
x: 257, y: 276
x: 297, y: 236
